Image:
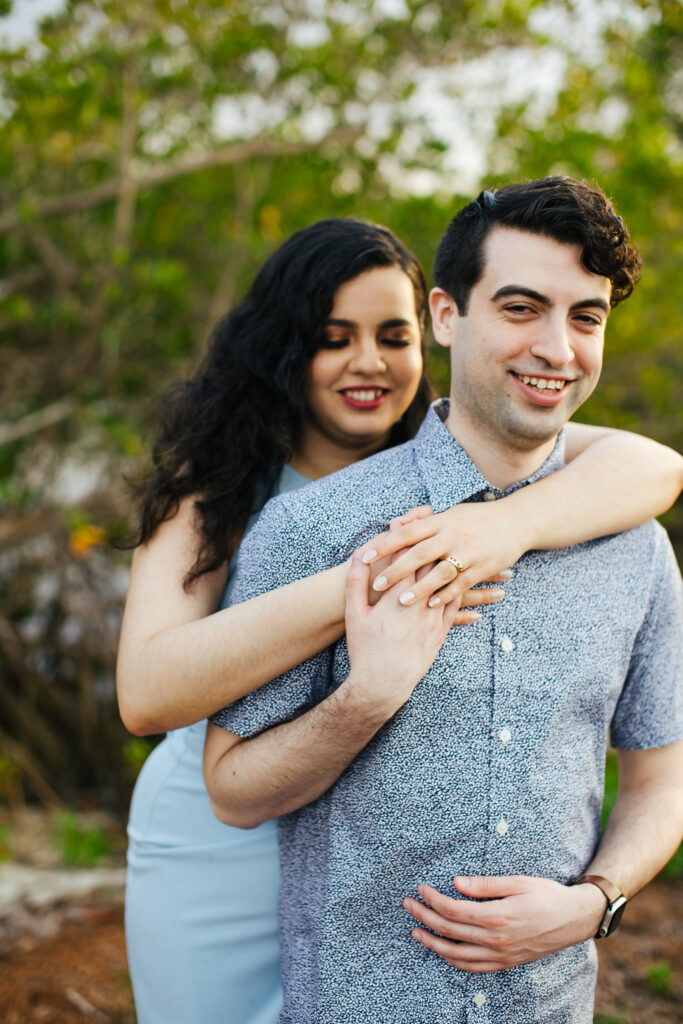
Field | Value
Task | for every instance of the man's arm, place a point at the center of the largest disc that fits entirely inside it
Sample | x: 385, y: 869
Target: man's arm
x: 252, y: 780
x: 528, y: 918
x: 390, y: 649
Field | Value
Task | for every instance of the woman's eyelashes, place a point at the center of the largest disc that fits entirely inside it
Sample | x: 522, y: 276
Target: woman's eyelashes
x: 337, y: 343
x: 395, y: 342
x: 334, y: 343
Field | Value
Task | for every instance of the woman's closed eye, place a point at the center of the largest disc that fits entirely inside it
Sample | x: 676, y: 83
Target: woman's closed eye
x: 395, y: 342
x: 332, y: 343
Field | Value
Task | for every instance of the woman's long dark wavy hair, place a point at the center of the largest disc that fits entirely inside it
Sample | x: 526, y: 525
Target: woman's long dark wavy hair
x: 226, y: 432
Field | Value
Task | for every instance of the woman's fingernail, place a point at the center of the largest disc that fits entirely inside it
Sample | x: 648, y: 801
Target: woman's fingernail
x: 475, y: 616
x: 434, y: 602
x: 407, y: 597
x: 380, y: 583
x: 507, y: 574
x: 496, y: 592
x: 369, y: 555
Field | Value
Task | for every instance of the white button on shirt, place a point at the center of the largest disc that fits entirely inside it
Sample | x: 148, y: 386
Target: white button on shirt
x: 502, y: 827
x: 479, y: 999
x: 507, y: 644
x: 504, y: 735
x: 489, y: 496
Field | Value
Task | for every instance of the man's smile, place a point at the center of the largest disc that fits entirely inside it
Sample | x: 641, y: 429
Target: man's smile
x: 545, y: 391
x: 543, y: 383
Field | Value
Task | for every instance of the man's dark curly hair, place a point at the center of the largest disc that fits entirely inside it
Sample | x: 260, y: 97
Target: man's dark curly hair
x: 226, y: 432
x: 569, y: 211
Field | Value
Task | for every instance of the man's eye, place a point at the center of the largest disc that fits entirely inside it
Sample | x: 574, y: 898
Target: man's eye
x: 519, y: 309
x: 588, y: 320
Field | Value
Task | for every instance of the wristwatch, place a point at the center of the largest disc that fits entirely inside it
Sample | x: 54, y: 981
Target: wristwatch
x: 616, y: 902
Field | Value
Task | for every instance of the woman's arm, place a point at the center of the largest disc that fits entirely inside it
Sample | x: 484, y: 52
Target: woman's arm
x: 291, y: 764
x: 179, y: 661
x: 614, y: 481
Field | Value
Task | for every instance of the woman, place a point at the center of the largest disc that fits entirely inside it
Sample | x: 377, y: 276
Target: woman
x: 319, y: 366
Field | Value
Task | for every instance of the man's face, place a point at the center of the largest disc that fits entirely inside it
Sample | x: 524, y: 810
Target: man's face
x: 529, y: 350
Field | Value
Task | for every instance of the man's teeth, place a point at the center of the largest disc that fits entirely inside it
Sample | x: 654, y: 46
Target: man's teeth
x: 543, y: 383
x: 364, y: 396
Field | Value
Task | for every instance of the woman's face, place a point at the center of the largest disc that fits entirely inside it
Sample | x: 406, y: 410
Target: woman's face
x: 366, y: 373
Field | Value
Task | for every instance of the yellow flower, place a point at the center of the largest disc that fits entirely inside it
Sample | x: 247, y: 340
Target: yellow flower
x: 84, y: 538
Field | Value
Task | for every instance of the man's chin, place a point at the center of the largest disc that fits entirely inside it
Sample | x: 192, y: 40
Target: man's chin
x: 528, y: 432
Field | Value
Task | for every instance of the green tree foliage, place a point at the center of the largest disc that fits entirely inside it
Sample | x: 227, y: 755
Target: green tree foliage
x: 153, y: 154
x: 621, y: 122
x: 155, y: 151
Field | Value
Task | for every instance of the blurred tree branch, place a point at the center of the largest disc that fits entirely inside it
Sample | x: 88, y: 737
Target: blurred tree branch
x: 225, y: 156
x: 35, y: 421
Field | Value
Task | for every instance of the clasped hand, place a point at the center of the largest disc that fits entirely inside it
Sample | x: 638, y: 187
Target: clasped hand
x: 483, y: 536
x: 520, y: 919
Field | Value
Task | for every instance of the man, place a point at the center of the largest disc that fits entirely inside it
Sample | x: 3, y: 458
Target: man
x: 488, y: 767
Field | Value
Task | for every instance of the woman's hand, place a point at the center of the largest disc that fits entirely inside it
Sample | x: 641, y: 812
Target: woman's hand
x: 483, y: 536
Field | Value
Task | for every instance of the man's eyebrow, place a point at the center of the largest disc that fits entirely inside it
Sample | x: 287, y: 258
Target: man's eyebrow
x: 584, y: 303
x: 520, y: 289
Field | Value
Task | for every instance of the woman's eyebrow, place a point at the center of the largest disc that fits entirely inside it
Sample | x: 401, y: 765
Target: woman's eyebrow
x: 397, y: 322
x: 394, y: 322
x: 336, y: 322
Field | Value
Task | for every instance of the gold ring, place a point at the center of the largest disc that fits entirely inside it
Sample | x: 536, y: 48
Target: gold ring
x: 456, y: 563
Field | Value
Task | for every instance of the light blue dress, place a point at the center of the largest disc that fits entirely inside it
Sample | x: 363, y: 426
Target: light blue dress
x: 201, y: 897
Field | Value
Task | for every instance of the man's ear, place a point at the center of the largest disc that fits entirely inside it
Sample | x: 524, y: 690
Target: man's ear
x: 444, y: 316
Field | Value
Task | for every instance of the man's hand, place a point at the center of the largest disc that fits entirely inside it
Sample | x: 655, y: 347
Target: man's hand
x: 523, y: 919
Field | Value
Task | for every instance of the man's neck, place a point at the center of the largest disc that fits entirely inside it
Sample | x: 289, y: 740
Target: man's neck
x: 502, y: 464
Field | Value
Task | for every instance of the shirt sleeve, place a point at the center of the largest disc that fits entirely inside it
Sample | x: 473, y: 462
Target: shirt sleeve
x: 649, y: 712
x: 284, y: 545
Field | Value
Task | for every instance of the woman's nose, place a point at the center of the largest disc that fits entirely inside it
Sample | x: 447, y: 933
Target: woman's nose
x: 367, y: 358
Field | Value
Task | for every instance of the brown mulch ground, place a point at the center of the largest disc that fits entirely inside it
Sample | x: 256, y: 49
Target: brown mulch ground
x: 80, y: 976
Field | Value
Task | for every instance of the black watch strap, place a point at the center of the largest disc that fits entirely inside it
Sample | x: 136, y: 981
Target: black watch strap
x: 616, y: 902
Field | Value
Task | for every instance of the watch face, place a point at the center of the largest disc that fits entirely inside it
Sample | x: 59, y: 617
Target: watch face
x: 613, y: 916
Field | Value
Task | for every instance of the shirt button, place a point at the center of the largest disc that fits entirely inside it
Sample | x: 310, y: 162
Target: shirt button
x: 502, y: 827
x: 507, y: 644
x: 479, y: 999
x: 504, y: 735
x: 489, y: 496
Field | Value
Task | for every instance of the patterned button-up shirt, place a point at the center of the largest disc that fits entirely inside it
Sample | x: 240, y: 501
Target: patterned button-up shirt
x: 493, y: 767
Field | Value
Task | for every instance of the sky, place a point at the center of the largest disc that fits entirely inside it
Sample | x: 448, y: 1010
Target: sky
x: 517, y: 75
x: 19, y: 26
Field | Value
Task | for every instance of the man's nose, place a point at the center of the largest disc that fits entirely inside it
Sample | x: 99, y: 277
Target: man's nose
x: 367, y: 358
x: 553, y: 342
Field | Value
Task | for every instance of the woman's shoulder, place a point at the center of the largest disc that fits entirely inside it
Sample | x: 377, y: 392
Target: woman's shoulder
x: 334, y: 506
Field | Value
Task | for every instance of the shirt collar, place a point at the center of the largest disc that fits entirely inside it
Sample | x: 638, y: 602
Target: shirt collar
x: 449, y: 473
